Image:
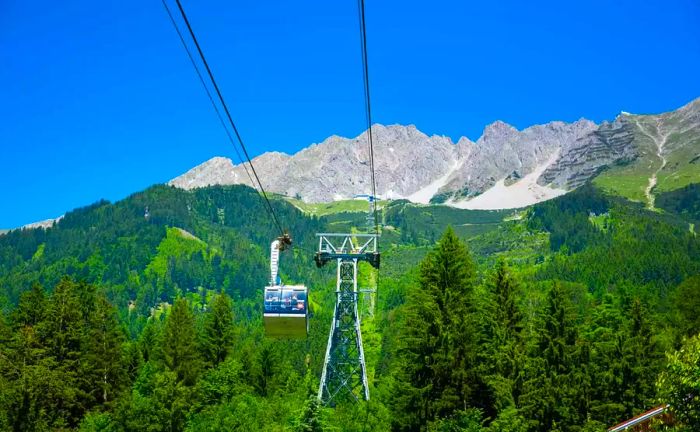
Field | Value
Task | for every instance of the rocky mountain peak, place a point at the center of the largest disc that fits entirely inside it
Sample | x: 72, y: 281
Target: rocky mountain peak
x: 496, y: 131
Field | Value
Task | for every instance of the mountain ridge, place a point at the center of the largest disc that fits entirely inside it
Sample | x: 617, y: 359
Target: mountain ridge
x: 433, y: 168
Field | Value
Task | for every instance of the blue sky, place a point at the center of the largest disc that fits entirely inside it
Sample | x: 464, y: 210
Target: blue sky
x: 98, y: 99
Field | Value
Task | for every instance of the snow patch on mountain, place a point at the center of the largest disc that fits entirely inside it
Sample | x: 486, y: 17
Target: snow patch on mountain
x: 523, y: 193
x: 423, y: 195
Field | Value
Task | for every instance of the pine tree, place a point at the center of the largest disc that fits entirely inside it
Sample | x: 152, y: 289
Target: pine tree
x: 448, y: 273
x: 266, y: 367
x: 217, y: 335
x: 33, y: 400
x: 603, y: 334
x: 104, y: 363
x: 501, y: 347
x: 435, y: 358
x: 58, y: 394
x: 24, y: 395
x: 160, y: 402
x: 505, y: 289
x: 548, y: 397
x: 179, y: 343
x: 559, y: 331
x: 414, y: 375
x: 641, y: 362
x: 63, y: 326
x: 310, y: 419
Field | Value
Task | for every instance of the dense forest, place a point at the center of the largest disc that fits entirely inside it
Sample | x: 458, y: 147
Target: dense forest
x: 146, y: 315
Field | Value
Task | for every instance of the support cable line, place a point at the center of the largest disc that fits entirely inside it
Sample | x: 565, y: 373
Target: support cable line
x: 368, y: 112
x: 368, y: 105
x: 206, y: 89
x: 228, y: 115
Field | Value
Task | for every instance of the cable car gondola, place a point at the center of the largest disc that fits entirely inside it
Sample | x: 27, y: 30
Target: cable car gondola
x: 285, y: 307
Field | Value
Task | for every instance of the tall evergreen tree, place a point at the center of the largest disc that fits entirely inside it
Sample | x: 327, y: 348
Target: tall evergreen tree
x: 179, y: 343
x: 549, y: 398
x: 641, y: 362
x: 52, y: 357
x: 266, y: 367
x: 505, y: 289
x: 63, y: 326
x: 62, y: 334
x: 414, y: 374
x: 24, y: 394
x: 36, y: 399
x: 501, y: 354
x: 104, y: 364
x: 217, y: 334
x: 310, y: 419
x: 559, y: 331
x: 435, y: 357
x: 448, y: 274
x: 603, y: 333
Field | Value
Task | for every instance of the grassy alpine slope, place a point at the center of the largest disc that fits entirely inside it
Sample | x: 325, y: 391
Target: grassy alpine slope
x: 551, y: 307
x: 668, y: 148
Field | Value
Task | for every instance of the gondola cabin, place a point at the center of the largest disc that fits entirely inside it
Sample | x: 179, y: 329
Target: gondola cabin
x: 285, y: 307
x: 286, y: 311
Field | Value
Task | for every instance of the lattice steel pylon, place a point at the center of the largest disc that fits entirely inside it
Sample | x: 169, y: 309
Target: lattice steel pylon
x: 344, y: 372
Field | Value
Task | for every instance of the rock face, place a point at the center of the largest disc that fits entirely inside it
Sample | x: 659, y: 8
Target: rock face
x: 215, y: 171
x: 554, y: 157
x: 583, y: 157
x: 503, y: 152
x: 48, y: 223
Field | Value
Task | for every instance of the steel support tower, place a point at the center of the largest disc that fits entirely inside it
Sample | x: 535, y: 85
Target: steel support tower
x: 344, y: 374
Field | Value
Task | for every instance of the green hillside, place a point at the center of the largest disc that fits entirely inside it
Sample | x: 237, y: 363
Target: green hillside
x: 342, y: 206
x: 668, y: 149
x: 556, y: 317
